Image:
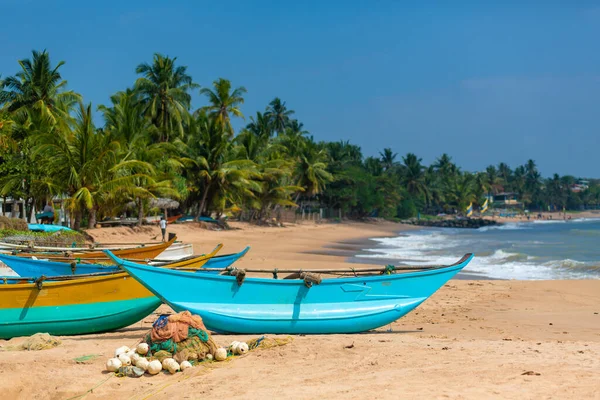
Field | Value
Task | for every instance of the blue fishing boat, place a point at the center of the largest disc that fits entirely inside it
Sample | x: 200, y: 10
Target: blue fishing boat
x: 47, y: 228
x: 25, y: 266
x: 236, y: 304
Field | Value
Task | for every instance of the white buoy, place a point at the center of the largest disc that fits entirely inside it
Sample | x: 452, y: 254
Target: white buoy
x: 154, y: 367
x: 142, y: 363
x: 185, y: 365
x: 166, y: 362
x: 113, y: 365
x: 242, y: 348
x: 221, y: 354
x: 134, y: 358
x: 124, y: 358
x: 121, y: 350
x: 173, y: 366
x: 209, y: 357
x: 142, y: 348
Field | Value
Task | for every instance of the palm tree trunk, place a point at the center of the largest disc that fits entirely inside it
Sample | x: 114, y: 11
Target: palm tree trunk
x: 77, y: 220
x: 92, y: 219
x: 203, y: 201
x: 140, y: 212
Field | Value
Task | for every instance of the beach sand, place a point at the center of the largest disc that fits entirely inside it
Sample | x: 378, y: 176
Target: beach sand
x: 473, y: 339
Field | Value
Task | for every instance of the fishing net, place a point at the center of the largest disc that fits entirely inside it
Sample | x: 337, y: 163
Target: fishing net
x: 182, y: 336
x: 264, y: 342
x: 39, y: 341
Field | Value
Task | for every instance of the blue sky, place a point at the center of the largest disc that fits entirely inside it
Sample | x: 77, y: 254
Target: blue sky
x: 484, y: 83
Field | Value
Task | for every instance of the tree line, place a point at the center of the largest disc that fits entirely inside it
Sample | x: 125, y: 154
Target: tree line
x: 153, y: 144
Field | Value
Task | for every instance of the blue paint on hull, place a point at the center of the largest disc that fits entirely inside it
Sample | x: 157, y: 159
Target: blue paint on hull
x: 339, y: 305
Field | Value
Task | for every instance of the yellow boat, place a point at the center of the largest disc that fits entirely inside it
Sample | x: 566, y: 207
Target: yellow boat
x: 72, y: 305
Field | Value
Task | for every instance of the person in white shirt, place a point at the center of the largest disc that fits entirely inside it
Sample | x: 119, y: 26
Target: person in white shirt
x: 163, y: 227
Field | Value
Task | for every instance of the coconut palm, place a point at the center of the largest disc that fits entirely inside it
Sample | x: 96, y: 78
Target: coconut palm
x: 311, y: 170
x: 260, y: 126
x: 164, y: 90
x: 278, y: 115
x: 38, y: 88
x: 79, y: 162
x: 388, y: 159
x: 224, y: 103
x: 413, y: 176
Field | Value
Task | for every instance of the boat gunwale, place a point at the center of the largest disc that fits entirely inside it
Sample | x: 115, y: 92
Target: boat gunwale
x: 431, y: 270
x: 54, y: 281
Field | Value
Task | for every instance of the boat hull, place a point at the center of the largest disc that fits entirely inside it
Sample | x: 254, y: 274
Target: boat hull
x: 137, y: 253
x: 29, y: 267
x: 176, y: 252
x: 340, y: 305
x: 73, y: 307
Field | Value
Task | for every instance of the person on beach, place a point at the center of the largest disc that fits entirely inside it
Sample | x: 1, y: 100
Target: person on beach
x: 49, y: 210
x: 163, y: 227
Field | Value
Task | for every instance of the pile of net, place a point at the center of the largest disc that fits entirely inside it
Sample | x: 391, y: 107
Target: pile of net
x: 39, y: 341
x: 181, y: 336
x: 177, y: 342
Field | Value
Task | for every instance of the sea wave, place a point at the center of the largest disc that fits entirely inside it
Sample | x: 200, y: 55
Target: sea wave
x: 438, y: 248
x: 507, y: 226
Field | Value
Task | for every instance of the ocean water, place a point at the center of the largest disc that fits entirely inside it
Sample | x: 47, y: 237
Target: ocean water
x: 523, y: 251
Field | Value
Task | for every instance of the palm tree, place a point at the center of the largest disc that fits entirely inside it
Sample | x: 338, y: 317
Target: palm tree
x: 505, y: 173
x: 212, y: 168
x: 125, y: 120
x: 164, y: 90
x: 224, y: 102
x: 413, y: 176
x: 38, y: 88
x: 445, y: 166
x: 278, y: 115
x: 388, y: 159
x: 260, y: 126
x: 311, y: 170
x: 79, y: 162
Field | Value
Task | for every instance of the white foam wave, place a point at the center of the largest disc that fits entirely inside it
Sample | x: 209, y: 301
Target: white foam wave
x: 508, y: 226
x: 424, y: 249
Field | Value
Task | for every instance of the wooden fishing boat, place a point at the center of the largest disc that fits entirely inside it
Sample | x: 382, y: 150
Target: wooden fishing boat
x: 175, y: 252
x: 138, y: 253
x: 26, y: 266
x: 310, y: 305
x: 173, y: 218
x: 67, y: 306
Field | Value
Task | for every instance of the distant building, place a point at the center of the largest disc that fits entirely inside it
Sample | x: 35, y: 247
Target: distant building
x: 580, y: 186
x: 507, y: 199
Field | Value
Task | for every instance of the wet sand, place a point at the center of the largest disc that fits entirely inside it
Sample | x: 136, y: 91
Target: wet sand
x: 473, y: 339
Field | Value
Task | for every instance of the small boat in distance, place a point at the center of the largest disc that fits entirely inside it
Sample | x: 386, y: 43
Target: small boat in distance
x: 350, y: 304
x: 72, y: 306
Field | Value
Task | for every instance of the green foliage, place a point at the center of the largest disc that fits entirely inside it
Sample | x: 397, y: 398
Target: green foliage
x: 154, y: 144
x: 62, y: 238
x: 407, y: 209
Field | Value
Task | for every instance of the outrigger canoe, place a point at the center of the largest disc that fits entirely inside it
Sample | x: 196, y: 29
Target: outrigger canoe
x: 67, y: 306
x: 24, y: 266
x: 137, y: 253
x: 294, y: 306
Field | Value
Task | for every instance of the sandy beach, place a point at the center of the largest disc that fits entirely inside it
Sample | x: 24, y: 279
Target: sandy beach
x: 473, y: 339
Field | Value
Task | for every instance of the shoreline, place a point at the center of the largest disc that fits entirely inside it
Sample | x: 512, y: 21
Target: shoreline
x: 489, y: 330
